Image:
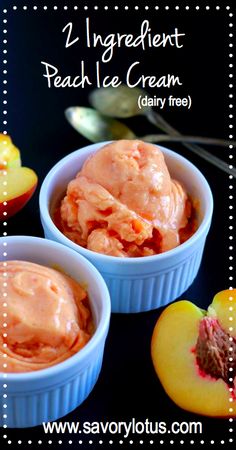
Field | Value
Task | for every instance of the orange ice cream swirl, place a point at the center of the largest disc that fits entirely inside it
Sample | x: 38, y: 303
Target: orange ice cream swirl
x: 123, y: 202
x: 48, y: 316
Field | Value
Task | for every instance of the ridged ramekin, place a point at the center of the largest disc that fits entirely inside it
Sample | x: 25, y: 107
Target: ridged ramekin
x: 136, y: 284
x: 48, y: 394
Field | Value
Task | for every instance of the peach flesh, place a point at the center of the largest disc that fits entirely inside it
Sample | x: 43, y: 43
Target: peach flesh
x: 20, y: 185
x: 9, y: 153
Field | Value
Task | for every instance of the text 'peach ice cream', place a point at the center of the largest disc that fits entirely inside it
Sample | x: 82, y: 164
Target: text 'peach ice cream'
x: 48, y: 317
x: 123, y: 202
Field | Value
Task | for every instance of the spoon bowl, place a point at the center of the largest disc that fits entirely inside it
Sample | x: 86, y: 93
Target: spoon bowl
x: 121, y: 102
x: 96, y: 127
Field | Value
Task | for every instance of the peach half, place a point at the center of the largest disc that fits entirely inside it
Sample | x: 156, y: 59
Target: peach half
x: 9, y: 153
x: 17, y: 186
x: 194, y: 355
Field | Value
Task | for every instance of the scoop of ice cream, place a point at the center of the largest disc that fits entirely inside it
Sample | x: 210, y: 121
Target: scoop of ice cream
x: 123, y: 202
x: 48, y: 316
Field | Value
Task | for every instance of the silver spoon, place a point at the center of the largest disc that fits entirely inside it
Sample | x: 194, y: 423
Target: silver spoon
x: 122, y: 102
x: 97, y: 127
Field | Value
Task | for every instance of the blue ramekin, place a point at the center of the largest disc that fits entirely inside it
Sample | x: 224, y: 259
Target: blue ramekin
x: 136, y: 284
x: 48, y: 394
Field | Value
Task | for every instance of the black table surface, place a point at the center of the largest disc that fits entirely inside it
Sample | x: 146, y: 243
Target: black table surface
x: 127, y: 387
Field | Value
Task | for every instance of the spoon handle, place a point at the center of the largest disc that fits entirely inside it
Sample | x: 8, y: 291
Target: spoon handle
x: 184, y: 138
x: 157, y: 120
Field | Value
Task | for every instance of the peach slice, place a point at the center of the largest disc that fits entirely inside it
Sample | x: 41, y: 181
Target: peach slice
x: 17, y: 186
x: 9, y: 154
x: 194, y: 355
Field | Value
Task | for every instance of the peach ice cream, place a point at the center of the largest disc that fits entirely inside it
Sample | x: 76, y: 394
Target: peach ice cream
x: 48, y: 316
x: 123, y: 202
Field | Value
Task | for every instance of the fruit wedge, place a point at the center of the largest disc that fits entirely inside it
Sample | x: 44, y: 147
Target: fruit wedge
x: 194, y: 355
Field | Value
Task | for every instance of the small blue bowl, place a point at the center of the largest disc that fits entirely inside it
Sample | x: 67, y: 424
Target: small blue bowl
x: 48, y: 394
x: 136, y: 284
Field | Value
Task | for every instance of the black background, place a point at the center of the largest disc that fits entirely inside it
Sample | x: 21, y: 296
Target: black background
x: 127, y: 386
